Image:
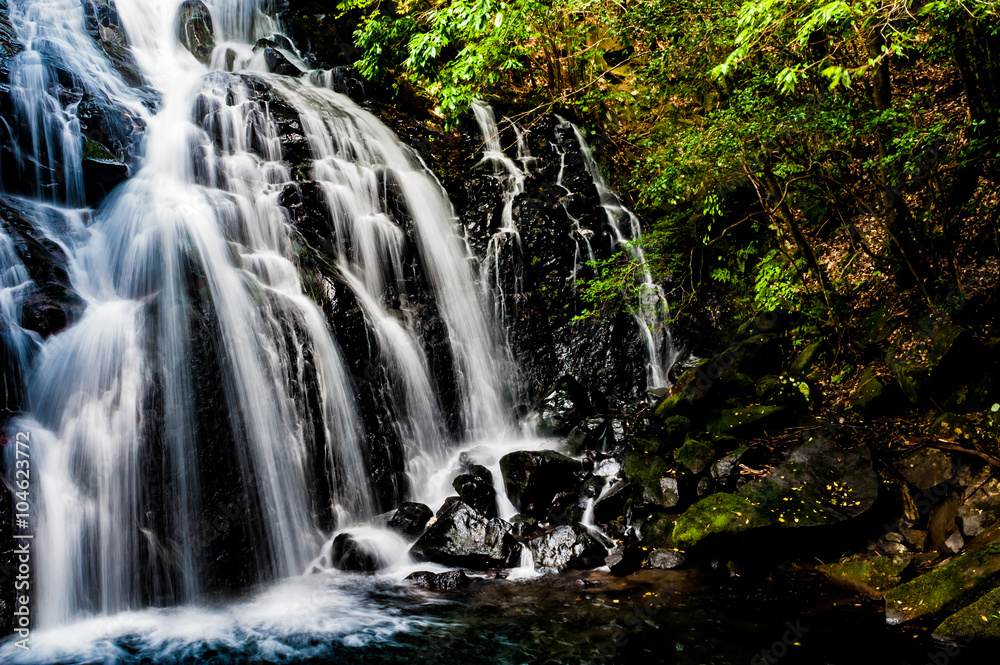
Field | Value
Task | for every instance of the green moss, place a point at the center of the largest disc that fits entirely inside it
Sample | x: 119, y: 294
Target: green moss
x: 695, y: 454
x: 980, y: 619
x: 945, y: 586
x: 657, y: 531
x: 873, y: 577
x: 94, y: 151
x: 730, y: 420
x: 715, y: 514
x: 806, y: 359
x: 673, y: 406
x: 676, y: 428
x: 644, y: 468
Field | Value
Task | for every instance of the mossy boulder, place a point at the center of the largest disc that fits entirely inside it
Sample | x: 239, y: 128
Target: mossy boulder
x: 872, y: 577
x: 676, y: 428
x: 195, y: 31
x: 878, y: 326
x: 695, y: 454
x: 946, y: 587
x: 925, y: 468
x: 806, y: 359
x: 784, y: 390
x: 819, y: 483
x: 721, y: 513
x: 923, y: 355
x: 980, y: 619
x: 872, y: 393
x: 729, y: 421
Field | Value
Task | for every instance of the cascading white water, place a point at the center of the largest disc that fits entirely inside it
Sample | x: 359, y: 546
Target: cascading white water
x: 196, y: 246
x: 506, y: 240
x: 652, y: 311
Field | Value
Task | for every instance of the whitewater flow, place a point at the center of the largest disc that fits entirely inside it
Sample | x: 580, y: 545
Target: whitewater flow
x: 187, y: 272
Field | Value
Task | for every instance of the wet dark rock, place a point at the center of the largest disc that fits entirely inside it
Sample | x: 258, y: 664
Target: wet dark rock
x: 565, y: 547
x: 626, y: 558
x: 563, y: 408
x: 463, y: 537
x: 195, y: 31
x: 524, y: 527
x: 452, y: 579
x: 275, y: 60
x: 411, y: 518
x: 51, y: 304
x: 476, y: 490
x: 665, y: 559
x: 347, y: 553
x: 101, y: 172
x: 104, y: 25
x: 533, y: 479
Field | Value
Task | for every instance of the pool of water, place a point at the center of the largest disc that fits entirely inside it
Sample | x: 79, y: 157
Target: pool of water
x: 678, y: 617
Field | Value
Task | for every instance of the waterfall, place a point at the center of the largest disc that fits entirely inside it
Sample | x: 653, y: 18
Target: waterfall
x: 202, y: 386
x: 651, y: 311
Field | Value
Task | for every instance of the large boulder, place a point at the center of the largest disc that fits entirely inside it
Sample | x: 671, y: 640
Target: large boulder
x: 568, y: 546
x: 195, y: 31
x: 411, y: 518
x: 533, y: 479
x: 463, y: 537
x: 819, y: 483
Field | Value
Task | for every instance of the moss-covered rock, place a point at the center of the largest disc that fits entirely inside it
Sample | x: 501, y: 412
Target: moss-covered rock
x: 925, y: 468
x: 944, y: 587
x: 980, y: 619
x: 872, y: 577
x: 921, y: 355
x: 676, y: 428
x: 805, y: 360
x: 784, y: 390
x: 728, y: 421
x: 695, y: 454
x: 721, y: 513
x: 870, y: 393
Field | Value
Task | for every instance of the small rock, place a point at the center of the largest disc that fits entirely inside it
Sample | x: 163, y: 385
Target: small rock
x: 439, y: 581
x: 955, y: 542
x: 664, y: 559
x: 347, y: 553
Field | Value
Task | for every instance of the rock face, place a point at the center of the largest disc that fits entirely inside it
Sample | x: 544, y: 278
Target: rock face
x: 533, y: 480
x: 463, y: 537
x: 195, y: 31
x: 567, y: 547
x: 411, y: 518
x: 563, y: 408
